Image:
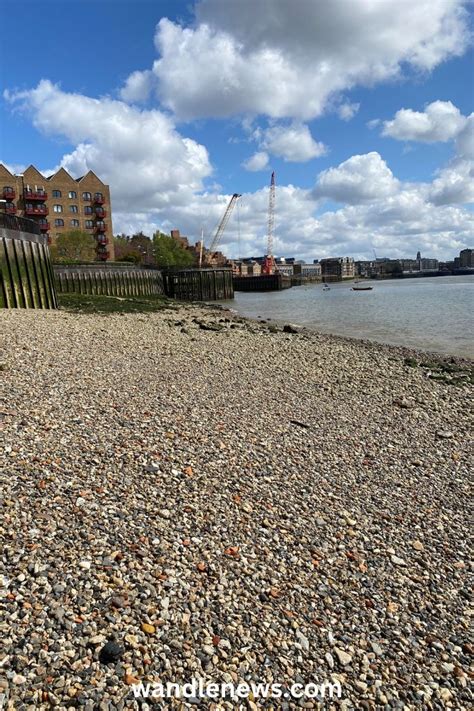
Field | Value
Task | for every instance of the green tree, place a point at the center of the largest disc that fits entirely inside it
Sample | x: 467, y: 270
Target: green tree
x: 124, y: 251
x: 74, y: 246
x: 170, y: 253
x: 144, y: 246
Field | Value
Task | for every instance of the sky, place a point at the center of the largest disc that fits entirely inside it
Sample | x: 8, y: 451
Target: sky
x: 363, y: 108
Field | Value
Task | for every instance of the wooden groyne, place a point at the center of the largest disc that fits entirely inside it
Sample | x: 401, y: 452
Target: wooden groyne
x: 199, y: 284
x: 128, y: 280
x: 26, y: 275
x: 110, y: 280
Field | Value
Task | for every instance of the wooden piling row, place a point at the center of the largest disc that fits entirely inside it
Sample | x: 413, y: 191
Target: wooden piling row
x: 108, y: 281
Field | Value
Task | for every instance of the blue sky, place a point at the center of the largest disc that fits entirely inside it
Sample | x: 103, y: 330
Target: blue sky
x: 363, y: 110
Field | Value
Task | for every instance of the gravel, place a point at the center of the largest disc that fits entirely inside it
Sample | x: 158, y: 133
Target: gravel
x: 189, y: 494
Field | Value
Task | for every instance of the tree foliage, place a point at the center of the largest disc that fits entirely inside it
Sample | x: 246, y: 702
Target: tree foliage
x: 162, y: 250
x: 74, y: 246
x: 170, y: 253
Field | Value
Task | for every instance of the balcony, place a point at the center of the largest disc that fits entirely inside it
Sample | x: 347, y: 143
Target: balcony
x: 100, y: 213
x: 100, y: 227
x: 103, y: 255
x: 36, y: 210
x: 8, y: 193
x: 44, y: 226
x: 99, y: 199
x: 10, y: 209
x: 102, y: 239
x: 39, y: 195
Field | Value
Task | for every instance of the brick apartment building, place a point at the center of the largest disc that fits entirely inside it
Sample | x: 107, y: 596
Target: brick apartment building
x: 60, y: 203
x: 337, y: 268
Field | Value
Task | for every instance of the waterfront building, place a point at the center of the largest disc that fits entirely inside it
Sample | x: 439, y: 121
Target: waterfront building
x: 60, y: 203
x: 466, y: 259
x: 307, y: 270
x: 337, y: 268
x: 429, y: 265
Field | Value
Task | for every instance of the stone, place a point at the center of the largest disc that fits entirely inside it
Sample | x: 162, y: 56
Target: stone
x: 110, y: 652
x: 343, y: 657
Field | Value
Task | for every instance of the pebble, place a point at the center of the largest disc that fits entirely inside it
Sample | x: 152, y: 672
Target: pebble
x: 136, y: 459
x: 343, y: 657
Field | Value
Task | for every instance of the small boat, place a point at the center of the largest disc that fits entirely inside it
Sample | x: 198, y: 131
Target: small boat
x: 362, y: 287
x: 326, y: 287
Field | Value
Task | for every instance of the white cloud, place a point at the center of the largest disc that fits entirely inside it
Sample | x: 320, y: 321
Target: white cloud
x: 259, y: 161
x: 266, y: 58
x: 293, y: 143
x: 440, y: 121
x: 148, y: 164
x: 454, y: 184
x: 373, y: 123
x: 465, y: 140
x: 157, y: 178
x: 138, y: 87
x: 357, y: 180
x: 347, y: 111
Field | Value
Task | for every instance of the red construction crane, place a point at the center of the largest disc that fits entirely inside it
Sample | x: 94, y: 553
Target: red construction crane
x: 269, y: 266
x: 221, y: 227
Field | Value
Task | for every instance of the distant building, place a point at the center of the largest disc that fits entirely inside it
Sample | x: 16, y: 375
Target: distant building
x: 60, y: 203
x: 286, y: 269
x: 429, y: 265
x: 466, y: 259
x: 307, y: 270
x: 426, y: 265
x: 337, y: 268
x: 410, y: 265
x: 217, y: 259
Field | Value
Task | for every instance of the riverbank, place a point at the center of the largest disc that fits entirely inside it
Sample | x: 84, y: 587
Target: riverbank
x: 429, y: 314
x: 229, y: 501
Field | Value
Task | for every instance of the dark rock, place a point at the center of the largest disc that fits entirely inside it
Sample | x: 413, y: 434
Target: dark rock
x: 110, y: 652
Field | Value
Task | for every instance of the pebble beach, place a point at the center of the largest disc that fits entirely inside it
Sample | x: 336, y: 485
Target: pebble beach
x: 189, y: 494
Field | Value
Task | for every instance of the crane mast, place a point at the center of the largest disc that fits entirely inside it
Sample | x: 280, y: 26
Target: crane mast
x: 222, y: 224
x: 268, y: 266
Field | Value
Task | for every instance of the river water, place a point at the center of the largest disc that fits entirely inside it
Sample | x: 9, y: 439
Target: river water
x: 431, y: 314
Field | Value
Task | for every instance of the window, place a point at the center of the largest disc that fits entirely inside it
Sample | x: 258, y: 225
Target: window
x: 56, y: 193
x: 57, y: 208
x: 98, y: 195
x: 73, y: 208
x: 72, y: 195
x: 88, y: 210
x: 75, y: 223
x: 58, y: 223
x: 86, y: 196
x: 89, y: 224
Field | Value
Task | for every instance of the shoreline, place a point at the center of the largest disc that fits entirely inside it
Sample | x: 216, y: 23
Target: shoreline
x: 226, y: 502
x: 407, y: 351
x: 347, y: 315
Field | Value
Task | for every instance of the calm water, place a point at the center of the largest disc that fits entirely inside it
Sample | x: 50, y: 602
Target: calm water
x: 432, y: 314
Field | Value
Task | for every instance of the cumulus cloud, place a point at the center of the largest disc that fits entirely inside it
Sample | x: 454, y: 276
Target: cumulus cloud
x: 259, y: 161
x: 454, y: 184
x: 440, y: 121
x: 293, y: 143
x: 396, y: 225
x: 138, y: 87
x: 139, y: 153
x: 465, y: 140
x: 265, y: 58
x: 357, y: 180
